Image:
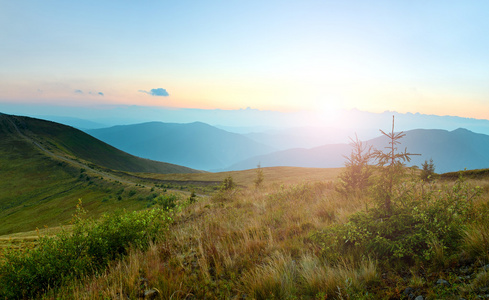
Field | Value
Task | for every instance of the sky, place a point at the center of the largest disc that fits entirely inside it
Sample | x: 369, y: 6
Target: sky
x: 430, y: 57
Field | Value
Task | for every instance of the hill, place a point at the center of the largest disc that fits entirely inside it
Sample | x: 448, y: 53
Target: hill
x: 46, y: 167
x: 196, y: 145
x: 451, y: 151
x: 65, y: 140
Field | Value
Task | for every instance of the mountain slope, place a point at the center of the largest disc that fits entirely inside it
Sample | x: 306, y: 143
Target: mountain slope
x: 450, y: 150
x: 45, y: 168
x: 69, y: 141
x: 196, y: 145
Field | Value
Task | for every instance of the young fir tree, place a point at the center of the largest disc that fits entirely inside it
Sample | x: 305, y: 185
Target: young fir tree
x: 259, y: 176
x: 428, y: 170
x: 391, y: 163
x: 355, y: 177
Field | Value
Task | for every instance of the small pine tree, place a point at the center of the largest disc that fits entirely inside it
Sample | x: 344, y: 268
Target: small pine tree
x: 228, y: 184
x: 355, y: 177
x: 391, y: 163
x: 259, y: 176
x: 428, y: 170
x: 193, y: 197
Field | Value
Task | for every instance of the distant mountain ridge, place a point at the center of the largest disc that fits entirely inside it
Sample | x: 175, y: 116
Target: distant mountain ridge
x: 196, y: 145
x: 244, y: 120
x: 451, y: 151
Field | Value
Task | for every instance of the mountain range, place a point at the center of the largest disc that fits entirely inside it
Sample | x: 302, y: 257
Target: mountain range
x: 201, y: 146
x: 196, y: 145
x: 451, y: 151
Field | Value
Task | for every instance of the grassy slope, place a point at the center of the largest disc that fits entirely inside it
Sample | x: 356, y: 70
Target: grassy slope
x: 273, y: 175
x: 86, y: 147
x: 37, y: 189
x: 256, y: 243
x: 41, y: 191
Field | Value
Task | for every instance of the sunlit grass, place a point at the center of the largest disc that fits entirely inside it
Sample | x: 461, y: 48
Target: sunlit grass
x: 257, y: 243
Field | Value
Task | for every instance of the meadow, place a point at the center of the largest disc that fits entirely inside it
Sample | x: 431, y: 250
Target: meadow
x: 306, y: 239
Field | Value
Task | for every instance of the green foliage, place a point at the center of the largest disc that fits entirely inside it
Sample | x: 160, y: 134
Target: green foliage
x: 88, y: 248
x: 422, y: 217
x: 167, y: 201
x: 228, y: 184
x: 428, y: 170
x: 356, y: 176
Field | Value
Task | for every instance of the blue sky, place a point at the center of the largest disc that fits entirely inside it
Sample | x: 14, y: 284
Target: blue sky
x: 408, y: 56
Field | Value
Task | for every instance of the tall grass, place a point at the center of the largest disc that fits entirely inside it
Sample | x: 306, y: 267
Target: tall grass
x: 261, y: 244
x: 476, y: 240
x: 218, y: 247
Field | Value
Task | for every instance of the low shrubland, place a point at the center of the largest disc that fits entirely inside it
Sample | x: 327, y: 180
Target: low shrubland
x: 427, y: 221
x: 88, y: 247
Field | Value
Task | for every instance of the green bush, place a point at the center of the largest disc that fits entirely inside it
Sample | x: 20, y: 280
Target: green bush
x: 228, y: 184
x: 167, y: 201
x: 420, y: 217
x: 88, y: 248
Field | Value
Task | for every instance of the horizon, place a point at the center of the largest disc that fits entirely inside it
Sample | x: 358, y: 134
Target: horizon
x: 283, y: 57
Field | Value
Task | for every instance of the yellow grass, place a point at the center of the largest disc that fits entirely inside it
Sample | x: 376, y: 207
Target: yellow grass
x: 254, y: 243
x: 246, y: 242
x: 273, y: 175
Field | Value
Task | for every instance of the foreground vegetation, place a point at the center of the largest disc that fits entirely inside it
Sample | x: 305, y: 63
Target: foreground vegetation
x: 89, y: 246
x: 306, y: 241
x: 379, y: 230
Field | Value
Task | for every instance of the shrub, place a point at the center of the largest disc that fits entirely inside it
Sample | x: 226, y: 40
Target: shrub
x: 167, y: 201
x: 87, y: 249
x: 228, y: 184
x: 422, y: 218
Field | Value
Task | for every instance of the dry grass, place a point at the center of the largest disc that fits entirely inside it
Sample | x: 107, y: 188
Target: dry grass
x: 272, y: 175
x: 476, y: 240
x: 256, y: 243
x: 247, y: 242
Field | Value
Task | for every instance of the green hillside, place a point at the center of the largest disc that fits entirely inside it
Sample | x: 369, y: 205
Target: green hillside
x: 71, y: 141
x: 46, y: 167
